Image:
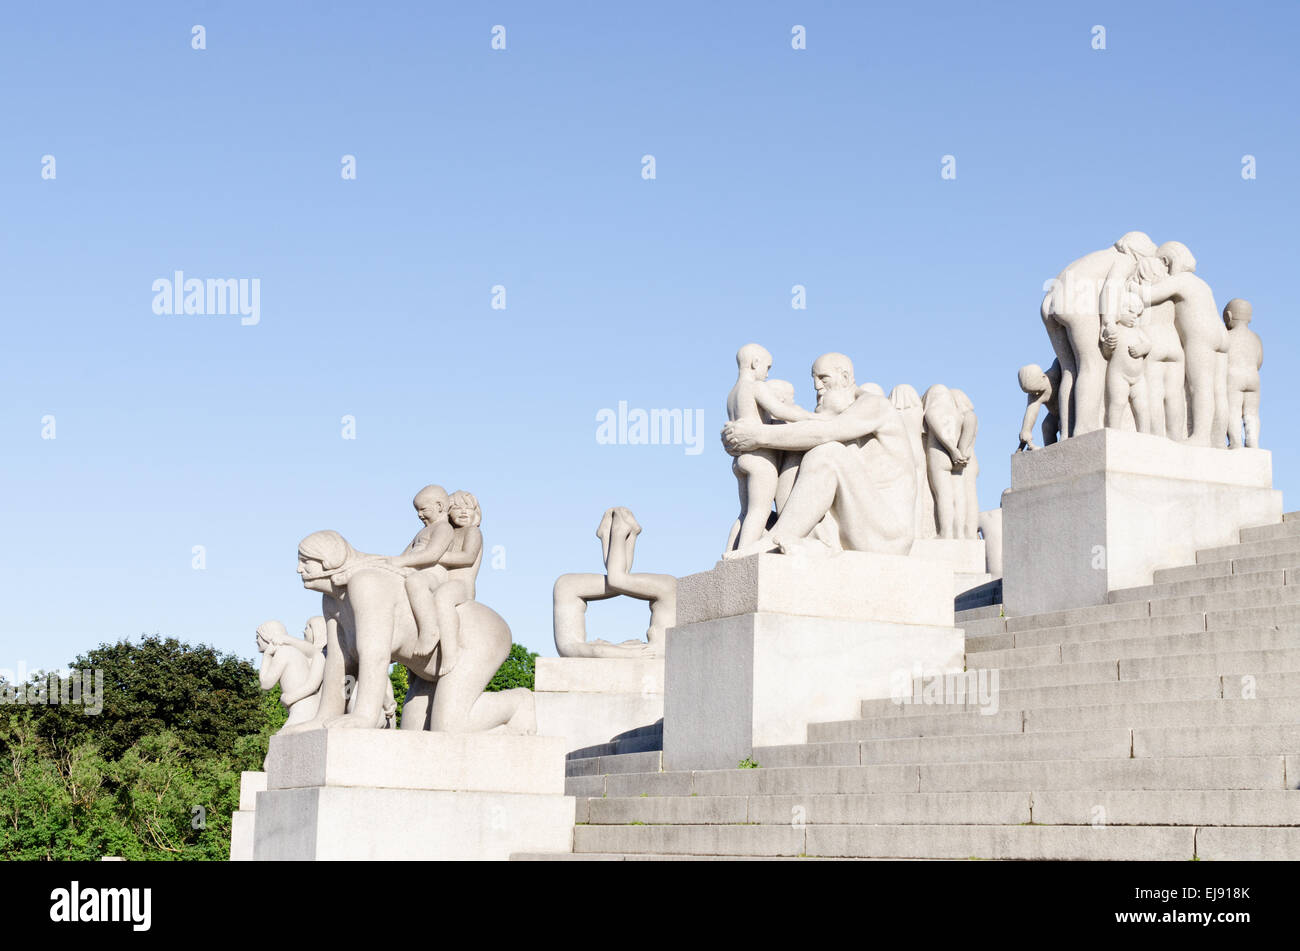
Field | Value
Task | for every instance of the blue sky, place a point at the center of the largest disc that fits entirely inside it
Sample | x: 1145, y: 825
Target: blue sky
x: 522, y: 167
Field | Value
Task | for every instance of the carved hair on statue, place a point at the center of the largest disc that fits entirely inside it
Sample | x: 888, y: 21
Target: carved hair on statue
x: 1180, y: 258
x: 747, y: 355
x: 1136, y: 243
x: 328, y: 547
x: 461, y: 499
x: 904, y: 396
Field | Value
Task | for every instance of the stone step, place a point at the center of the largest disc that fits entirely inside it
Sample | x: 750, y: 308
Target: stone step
x: 1274, y: 546
x: 616, y: 763
x: 947, y: 721
x: 1252, y: 662
x: 1155, y: 773
x: 1226, y: 807
x: 1268, y: 615
x: 1259, y: 639
x: 653, y: 857
x: 977, y: 614
x: 640, y: 743
x: 1114, y: 742
x: 1079, y: 843
x: 1215, y: 584
x: 1236, y: 566
x: 1287, y: 528
x: 1200, y: 687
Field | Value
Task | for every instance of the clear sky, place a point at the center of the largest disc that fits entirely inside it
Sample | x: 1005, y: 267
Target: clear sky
x: 523, y: 167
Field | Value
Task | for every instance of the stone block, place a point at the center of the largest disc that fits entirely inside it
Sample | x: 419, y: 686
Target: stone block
x: 1106, y: 510
x: 850, y: 585
x: 591, y: 701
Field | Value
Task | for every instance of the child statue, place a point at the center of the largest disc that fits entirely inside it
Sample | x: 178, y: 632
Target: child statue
x: 1041, y: 387
x: 1245, y: 357
x: 1125, y: 350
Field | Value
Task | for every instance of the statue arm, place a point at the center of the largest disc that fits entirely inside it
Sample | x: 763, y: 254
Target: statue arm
x: 315, y: 677
x: 1113, y: 288
x: 1139, y: 346
x: 788, y: 412
x: 466, y: 556
x: 966, y: 441
x: 428, y: 556
x: 1031, y: 417
x: 799, y: 436
x: 272, y: 668
x: 1161, y: 291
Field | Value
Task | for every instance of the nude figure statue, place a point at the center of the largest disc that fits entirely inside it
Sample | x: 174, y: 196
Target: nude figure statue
x: 908, y: 403
x: 758, y: 472
x: 1042, y: 388
x: 369, y: 625
x: 1080, y: 307
x: 297, y: 665
x: 1165, y: 372
x: 1204, y: 339
x: 856, y: 473
x: 944, y: 460
x: 1245, y: 357
x: 970, y: 471
x: 1126, y: 379
x: 617, y: 532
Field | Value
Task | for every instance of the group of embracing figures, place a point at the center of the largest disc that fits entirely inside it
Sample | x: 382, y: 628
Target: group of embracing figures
x: 1140, y: 345
x: 416, y: 608
x: 862, y: 472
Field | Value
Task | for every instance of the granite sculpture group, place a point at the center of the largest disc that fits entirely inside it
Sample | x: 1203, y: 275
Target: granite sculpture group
x: 836, y: 569
x: 1140, y: 345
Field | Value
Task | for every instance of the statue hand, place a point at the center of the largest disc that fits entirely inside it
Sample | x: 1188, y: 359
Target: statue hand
x: 740, y: 436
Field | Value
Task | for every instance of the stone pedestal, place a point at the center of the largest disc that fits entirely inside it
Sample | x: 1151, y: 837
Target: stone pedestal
x: 965, y: 556
x: 242, y: 823
x: 593, y: 701
x: 407, y: 794
x: 766, y: 645
x: 1104, y: 510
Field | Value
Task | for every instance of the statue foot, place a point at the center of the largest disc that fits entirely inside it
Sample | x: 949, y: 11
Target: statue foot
x: 350, y: 721
x: 606, y: 521
x: 763, y: 545
x: 445, y: 665
x: 524, y: 722
x: 633, y: 526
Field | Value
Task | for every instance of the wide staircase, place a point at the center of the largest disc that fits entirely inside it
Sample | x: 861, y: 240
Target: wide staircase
x: 1164, y: 724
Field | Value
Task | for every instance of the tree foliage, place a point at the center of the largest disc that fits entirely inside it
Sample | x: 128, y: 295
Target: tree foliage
x: 154, y: 774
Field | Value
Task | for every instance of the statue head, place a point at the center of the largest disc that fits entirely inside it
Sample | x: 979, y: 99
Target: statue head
x: 1136, y: 244
x: 783, y: 390
x: 964, y: 405
x: 320, y: 556
x: 314, y: 632
x: 875, y: 389
x: 1237, y: 312
x: 430, y: 503
x: 270, y: 632
x: 833, y: 377
x: 755, y: 359
x: 904, y: 396
x: 463, y: 510
x: 1176, y: 257
x: 1032, y: 378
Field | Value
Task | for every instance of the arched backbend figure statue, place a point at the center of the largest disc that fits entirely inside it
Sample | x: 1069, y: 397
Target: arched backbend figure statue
x: 617, y: 533
x: 369, y: 625
x: 1078, y: 309
x: 856, y: 482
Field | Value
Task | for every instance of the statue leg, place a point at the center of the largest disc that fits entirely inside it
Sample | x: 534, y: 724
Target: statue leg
x: 1219, y: 438
x: 1090, y: 381
x: 569, y: 611
x: 812, y: 495
x: 1236, y: 417
x: 1065, y: 357
x: 761, y: 477
x: 939, y: 471
x: 1201, y: 365
x: 1117, y: 394
x: 419, y: 701
x: 1141, y: 404
x: 1176, y: 400
x: 1250, y: 416
x: 459, y: 703
x: 374, y: 644
x: 1155, y: 374
x: 445, y: 599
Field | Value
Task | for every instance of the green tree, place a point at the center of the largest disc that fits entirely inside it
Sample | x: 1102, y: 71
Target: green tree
x: 517, y: 671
